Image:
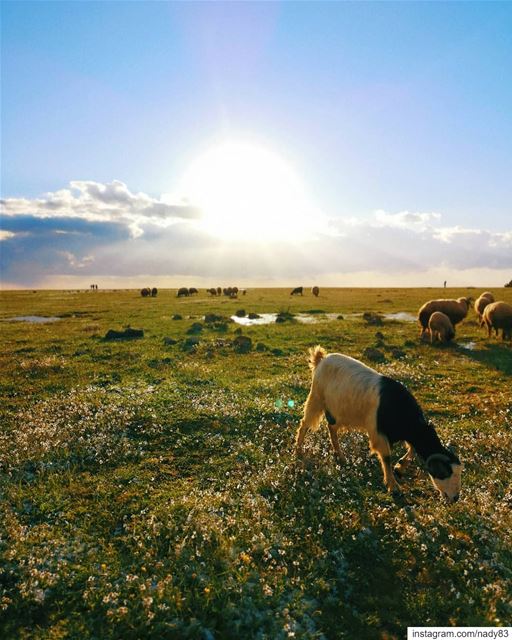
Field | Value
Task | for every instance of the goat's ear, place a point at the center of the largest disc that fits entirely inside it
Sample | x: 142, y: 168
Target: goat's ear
x: 452, y: 450
x: 438, y: 465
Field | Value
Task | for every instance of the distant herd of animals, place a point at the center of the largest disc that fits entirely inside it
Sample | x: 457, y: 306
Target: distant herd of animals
x: 438, y: 318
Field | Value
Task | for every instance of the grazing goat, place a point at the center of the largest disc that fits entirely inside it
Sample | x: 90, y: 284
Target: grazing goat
x: 192, y: 290
x: 145, y: 292
x: 456, y: 310
x: 298, y: 291
x: 315, y: 291
x: 212, y: 291
x: 498, y: 315
x: 154, y: 292
x: 480, y: 304
x: 183, y: 291
x: 354, y: 396
x: 440, y: 327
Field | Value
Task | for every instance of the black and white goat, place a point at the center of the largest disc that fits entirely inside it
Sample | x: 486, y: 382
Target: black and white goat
x: 354, y: 396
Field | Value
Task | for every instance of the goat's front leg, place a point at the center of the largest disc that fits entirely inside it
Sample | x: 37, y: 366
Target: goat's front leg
x: 380, y: 445
x: 404, y: 461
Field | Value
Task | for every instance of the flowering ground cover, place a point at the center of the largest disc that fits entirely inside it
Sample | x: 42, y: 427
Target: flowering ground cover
x: 148, y: 487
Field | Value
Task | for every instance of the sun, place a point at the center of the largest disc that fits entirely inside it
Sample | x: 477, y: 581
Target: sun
x: 248, y: 192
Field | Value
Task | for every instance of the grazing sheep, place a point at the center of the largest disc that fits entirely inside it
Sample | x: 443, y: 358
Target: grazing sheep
x: 192, y: 290
x: 145, y: 292
x: 498, y: 315
x: 456, y: 310
x: 212, y: 291
x: 480, y: 304
x: 354, y: 396
x: 154, y: 292
x: 219, y: 291
x: 183, y: 291
x: 315, y: 291
x: 298, y: 291
x: 440, y: 327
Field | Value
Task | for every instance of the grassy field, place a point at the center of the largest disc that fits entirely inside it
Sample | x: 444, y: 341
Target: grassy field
x: 148, y: 487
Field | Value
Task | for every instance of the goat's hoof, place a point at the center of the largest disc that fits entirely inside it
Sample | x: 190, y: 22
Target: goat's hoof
x: 398, y: 471
x: 395, y: 490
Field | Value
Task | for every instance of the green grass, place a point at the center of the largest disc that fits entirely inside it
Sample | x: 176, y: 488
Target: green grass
x: 148, y: 488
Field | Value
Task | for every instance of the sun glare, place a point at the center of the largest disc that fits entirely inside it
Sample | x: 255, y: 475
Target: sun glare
x: 247, y: 192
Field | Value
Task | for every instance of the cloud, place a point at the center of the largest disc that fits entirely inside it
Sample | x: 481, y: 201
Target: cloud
x: 93, y: 229
x: 75, y: 262
x: 97, y: 202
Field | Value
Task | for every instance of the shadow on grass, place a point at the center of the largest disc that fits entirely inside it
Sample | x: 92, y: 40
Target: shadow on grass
x: 494, y: 356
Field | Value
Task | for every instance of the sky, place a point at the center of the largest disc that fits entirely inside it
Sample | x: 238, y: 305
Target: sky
x: 257, y: 144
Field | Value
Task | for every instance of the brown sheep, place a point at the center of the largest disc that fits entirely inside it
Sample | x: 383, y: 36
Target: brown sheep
x: 183, y: 291
x: 498, y: 315
x: 315, y: 291
x: 456, y: 310
x: 440, y: 327
x: 480, y: 304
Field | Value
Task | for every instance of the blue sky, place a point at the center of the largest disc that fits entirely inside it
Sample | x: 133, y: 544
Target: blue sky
x: 395, y: 117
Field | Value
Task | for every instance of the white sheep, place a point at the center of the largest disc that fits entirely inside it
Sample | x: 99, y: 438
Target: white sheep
x: 354, y: 396
x: 456, y: 310
x: 480, y: 304
x: 498, y: 315
x: 440, y: 327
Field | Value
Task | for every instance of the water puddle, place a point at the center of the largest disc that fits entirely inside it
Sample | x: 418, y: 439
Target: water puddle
x: 470, y: 346
x: 264, y: 318
x: 303, y: 318
x: 32, y: 319
x: 401, y: 316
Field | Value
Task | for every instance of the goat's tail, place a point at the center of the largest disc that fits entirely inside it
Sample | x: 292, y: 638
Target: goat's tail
x: 316, y: 354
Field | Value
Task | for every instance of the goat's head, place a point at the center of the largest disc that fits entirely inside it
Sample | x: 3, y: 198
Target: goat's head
x: 445, y: 472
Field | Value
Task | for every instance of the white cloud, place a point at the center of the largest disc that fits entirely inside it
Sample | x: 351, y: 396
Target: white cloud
x: 111, y: 202
x: 6, y: 235
x: 77, y: 263
x: 406, y: 219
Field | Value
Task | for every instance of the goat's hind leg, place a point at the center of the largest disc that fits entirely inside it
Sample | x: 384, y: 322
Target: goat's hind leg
x: 333, y: 433
x: 313, y: 410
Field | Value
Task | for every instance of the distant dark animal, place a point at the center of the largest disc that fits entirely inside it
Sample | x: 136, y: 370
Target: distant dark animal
x: 353, y: 396
x: 192, y: 291
x: 154, y: 292
x: 219, y: 291
x: 298, y: 291
x: 315, y: 291
x: 183, y: 291
x: 212, y: 291
x: 145, y: 292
